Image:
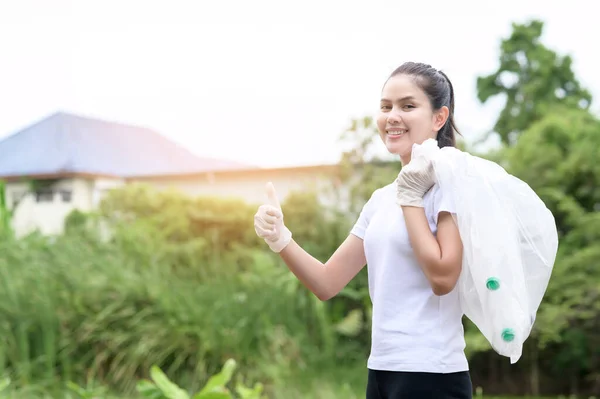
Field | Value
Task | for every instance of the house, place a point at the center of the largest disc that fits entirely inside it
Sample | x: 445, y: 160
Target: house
x: 66, y: 161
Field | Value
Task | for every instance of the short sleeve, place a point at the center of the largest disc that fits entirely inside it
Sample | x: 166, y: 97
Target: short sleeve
x: 360, y: 227
x: 442, y: 202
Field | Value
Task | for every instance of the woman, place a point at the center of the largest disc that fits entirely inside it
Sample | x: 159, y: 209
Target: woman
x: 406, y: 235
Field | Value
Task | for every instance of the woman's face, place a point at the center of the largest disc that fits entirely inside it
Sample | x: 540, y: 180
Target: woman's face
x: 406, y: 116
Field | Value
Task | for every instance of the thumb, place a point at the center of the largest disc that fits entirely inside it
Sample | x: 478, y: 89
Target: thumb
x: 272, y: 196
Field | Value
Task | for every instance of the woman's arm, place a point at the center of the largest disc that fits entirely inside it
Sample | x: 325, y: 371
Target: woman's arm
x: 326, y: 280
x: 441, y: 257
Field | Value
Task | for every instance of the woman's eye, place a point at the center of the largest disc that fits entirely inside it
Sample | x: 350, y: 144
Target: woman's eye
x: 385, y: 107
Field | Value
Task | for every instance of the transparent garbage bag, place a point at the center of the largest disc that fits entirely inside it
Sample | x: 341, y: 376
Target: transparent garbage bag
x: 510, y: 243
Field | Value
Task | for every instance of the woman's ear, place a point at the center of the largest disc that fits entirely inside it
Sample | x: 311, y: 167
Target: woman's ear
x: 440, y: 117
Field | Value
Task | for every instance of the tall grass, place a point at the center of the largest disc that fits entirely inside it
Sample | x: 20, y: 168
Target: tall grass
x: 76, y: 308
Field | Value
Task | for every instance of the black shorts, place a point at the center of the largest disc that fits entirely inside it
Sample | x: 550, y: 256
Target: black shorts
x: 413, y: 385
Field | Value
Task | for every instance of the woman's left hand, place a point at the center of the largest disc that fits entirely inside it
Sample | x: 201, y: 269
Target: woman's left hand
x: 414, y: 180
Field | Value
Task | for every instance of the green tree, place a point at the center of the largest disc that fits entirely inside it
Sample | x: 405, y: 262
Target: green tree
x: 363, y: 168
x: 558, y: 157
x: 531, y: 77
x: 550, y: 141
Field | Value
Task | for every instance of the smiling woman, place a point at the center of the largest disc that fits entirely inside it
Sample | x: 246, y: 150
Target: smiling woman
x: 417, y: 102
x: 408, y: 238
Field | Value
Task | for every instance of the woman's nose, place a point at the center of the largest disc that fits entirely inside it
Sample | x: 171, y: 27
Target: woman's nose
x: 394, y: 116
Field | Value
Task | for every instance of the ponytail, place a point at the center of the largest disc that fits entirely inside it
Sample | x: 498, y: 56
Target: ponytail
x: 446, y: 136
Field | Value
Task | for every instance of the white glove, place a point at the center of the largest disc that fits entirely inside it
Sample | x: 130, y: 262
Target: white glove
x: 416, y: 178
x: 268, y: 222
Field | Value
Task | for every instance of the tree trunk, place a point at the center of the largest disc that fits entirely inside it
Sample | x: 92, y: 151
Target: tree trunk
x: 574, y: 383
x: 493, y: 367
x: 535, y: 371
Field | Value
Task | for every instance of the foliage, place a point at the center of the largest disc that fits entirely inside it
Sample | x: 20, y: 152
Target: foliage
x: 551, y: 140
x: 5, y: 212
x: 160, y: 290
x: 531, y: 77
x: 364, y: 170
x: 216, y: 387
x: 557, y: 156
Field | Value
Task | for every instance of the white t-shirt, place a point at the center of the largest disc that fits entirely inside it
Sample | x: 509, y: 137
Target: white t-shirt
x: 413, y: 329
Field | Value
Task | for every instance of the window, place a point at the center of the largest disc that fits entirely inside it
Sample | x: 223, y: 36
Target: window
x: 44, y: 195
x: 66, y: 195
x: 17, y: 197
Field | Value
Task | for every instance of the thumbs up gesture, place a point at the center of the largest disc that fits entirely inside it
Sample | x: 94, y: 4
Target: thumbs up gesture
x: 268, y: 222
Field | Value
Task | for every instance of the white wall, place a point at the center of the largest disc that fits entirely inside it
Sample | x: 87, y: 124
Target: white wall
x: 101, y: 186
x: 47, y: 212
x: 250, y: 185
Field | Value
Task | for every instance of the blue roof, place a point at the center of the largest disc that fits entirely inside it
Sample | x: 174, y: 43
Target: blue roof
x: 64, y: 143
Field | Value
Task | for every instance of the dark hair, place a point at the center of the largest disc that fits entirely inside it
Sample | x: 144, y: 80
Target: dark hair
x: 439, y: 89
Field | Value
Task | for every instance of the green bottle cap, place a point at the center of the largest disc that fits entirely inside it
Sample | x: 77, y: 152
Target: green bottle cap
x: 492, y: 284
x: 508, y: 334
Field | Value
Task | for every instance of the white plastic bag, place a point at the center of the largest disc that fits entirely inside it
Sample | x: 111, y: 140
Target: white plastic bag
x: 510, y: 243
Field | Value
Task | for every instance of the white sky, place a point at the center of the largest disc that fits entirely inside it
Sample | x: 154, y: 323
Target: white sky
x: 270, y: 83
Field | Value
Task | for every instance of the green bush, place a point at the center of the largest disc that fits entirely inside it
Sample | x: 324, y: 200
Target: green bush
x: 158, y: 290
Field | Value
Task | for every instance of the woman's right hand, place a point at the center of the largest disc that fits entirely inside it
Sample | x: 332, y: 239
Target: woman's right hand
x: 268, y: 222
